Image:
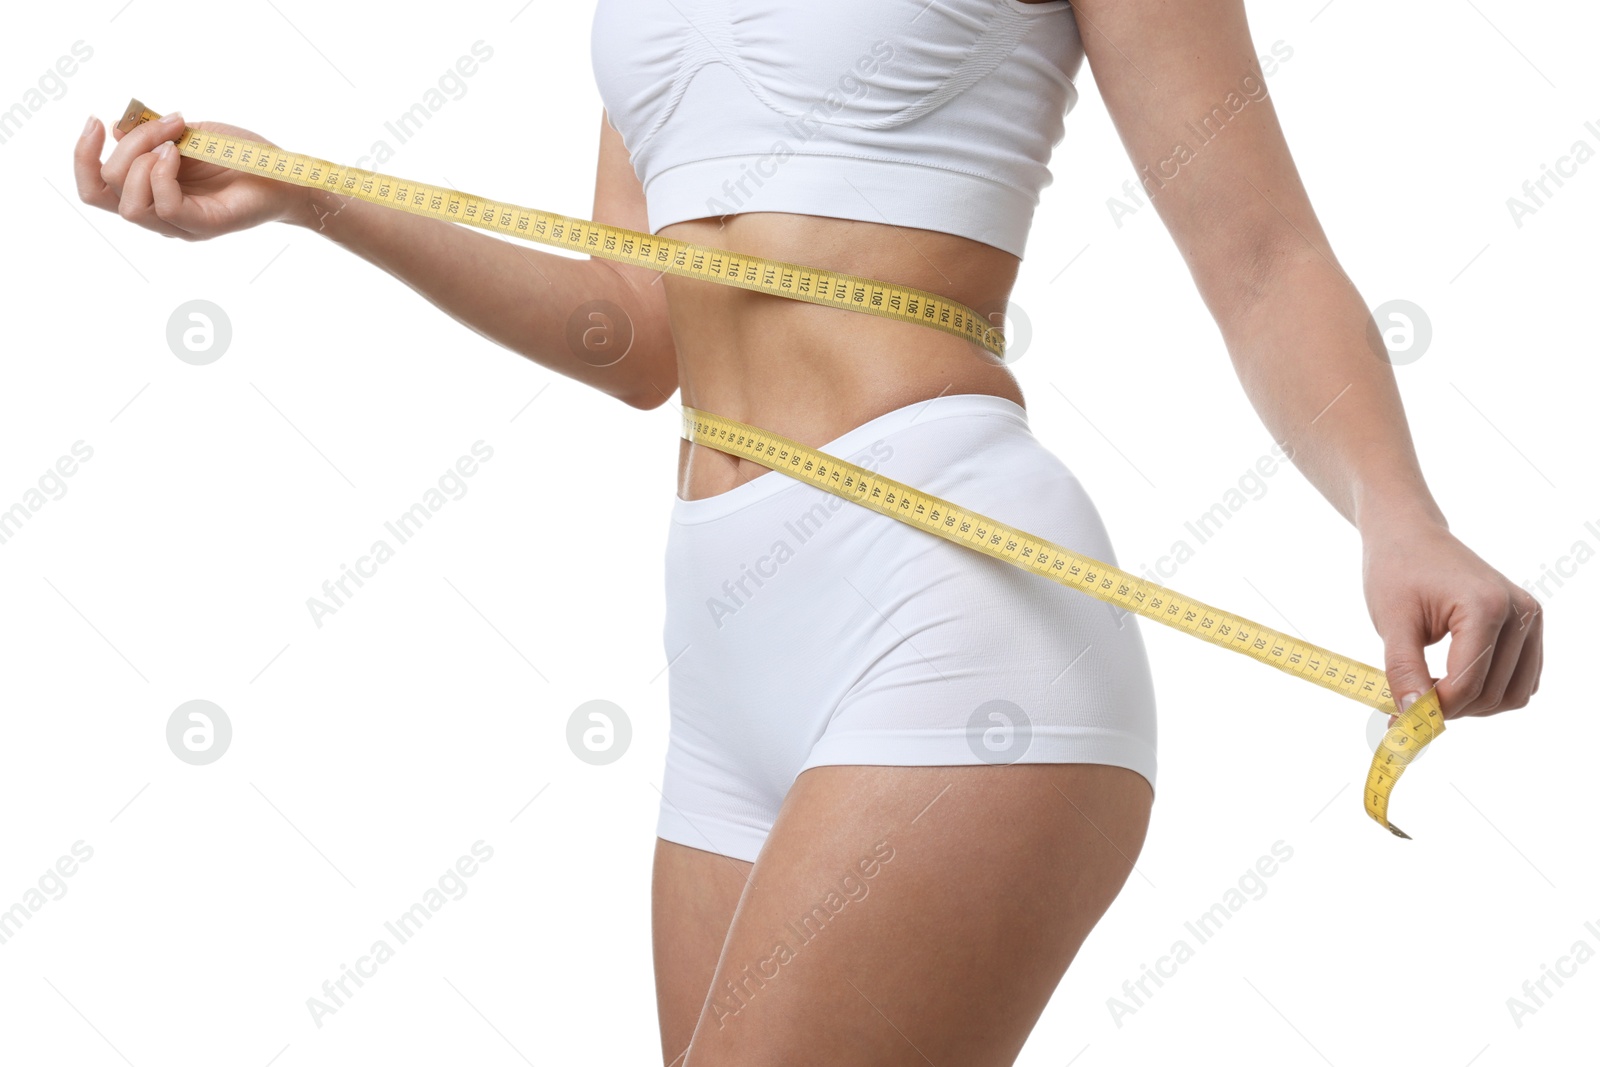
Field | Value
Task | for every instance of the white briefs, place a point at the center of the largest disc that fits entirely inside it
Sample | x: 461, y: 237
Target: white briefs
x: 804, y: 630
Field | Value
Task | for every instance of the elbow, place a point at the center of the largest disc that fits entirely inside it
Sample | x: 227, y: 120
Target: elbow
x: 654, y: 378
x: 647, y: 372
x: 642, y: 401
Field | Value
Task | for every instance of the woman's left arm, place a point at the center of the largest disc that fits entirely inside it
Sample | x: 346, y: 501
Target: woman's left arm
x: 1183, y: 85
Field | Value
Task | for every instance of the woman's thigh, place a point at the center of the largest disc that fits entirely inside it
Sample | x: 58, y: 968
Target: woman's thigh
x: 693, y: 898
x: 907, y: 915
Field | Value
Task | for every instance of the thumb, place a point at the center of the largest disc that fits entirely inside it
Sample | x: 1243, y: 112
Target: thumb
x: 1405, y: 665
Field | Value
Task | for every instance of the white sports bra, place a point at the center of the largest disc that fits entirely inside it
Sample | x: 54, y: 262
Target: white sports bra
x: 934, y: 114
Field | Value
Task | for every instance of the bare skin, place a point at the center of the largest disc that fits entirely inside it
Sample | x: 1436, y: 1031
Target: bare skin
x: 998, y: 874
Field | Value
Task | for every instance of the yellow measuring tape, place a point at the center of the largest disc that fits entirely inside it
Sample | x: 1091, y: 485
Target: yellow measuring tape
x: 1421, y: 723
x: 815, y: 286
x: 1415, y: 727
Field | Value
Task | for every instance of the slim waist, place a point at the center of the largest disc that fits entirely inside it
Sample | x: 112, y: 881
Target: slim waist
x: 853, y: 446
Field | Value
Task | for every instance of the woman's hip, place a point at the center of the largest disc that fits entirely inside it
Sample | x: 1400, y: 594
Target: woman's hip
x: 792, y: 612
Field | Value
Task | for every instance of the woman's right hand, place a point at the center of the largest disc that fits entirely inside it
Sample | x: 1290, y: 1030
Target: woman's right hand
x: 147, y: 182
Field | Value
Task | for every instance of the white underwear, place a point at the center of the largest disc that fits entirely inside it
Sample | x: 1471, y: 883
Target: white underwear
x: 804, y: 630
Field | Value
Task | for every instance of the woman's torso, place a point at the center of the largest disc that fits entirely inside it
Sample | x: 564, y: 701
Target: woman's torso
x: 809, y: 372
x: 946, y: 116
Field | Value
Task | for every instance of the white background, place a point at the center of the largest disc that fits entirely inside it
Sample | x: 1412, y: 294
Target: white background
x: 370, y: 753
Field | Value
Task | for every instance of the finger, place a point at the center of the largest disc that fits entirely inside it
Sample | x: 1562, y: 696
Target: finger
x: 1535, y: 616
x: 1538, y: 666
x: 1472, y: 641
x: 137, y: 200
x: 1503, y: 664
x: 1525, y: 680
x: 92, y: 189
x: 1404, y: 665
x: 138, y: 141
x: 134, y: 204
x: 180, y: 213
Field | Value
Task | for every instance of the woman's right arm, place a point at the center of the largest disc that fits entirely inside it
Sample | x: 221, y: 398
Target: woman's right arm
x: 529, y: 301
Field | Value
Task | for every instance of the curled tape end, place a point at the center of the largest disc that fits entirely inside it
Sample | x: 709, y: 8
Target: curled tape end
x: 1414, y: 729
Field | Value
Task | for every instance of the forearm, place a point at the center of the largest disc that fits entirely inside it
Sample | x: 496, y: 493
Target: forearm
x: 521, y: 298
x: 1307, y: 353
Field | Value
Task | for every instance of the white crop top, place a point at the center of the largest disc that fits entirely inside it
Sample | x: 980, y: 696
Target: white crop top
x: 934, y: 114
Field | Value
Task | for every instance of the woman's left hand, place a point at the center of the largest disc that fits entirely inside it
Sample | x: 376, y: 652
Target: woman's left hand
x: 1421, y: 584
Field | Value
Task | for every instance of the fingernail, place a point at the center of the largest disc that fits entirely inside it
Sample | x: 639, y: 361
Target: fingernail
x: 88, y: 127
x: 171, y: 115
x: 1408, y: 700
x: 164, y: 149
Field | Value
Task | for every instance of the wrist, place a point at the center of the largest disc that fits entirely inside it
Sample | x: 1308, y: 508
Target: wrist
x: 311, y: 209
x: 1376, y: 514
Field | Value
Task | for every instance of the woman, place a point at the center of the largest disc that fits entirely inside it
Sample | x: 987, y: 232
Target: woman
x: 904, y: 781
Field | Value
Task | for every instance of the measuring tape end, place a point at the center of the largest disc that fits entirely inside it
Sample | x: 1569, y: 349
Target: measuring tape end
x: 134, y: 114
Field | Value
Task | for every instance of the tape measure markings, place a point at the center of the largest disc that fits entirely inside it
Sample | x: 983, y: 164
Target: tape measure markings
x: 773, y: 277
x: 1358, y: 681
